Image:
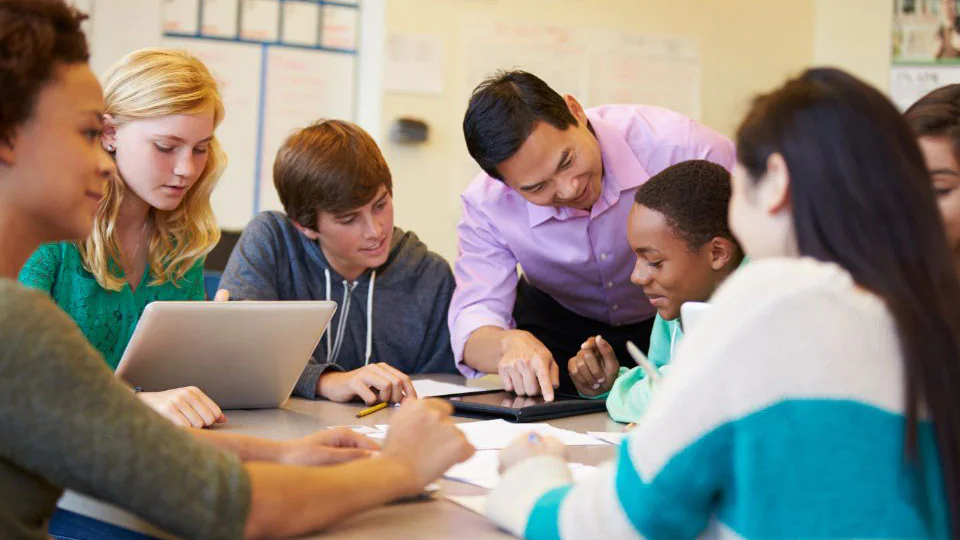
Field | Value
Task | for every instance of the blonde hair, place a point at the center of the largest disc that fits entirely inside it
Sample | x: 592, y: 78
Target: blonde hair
x: 152, y: 83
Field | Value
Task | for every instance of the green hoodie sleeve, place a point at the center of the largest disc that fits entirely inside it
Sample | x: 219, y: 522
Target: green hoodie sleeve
x: 632, y: 390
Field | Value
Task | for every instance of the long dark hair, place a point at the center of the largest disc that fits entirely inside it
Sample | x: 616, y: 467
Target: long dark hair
x: 862, y: 198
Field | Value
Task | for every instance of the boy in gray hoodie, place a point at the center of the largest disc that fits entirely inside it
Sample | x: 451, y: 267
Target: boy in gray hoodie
x: 337, y: 242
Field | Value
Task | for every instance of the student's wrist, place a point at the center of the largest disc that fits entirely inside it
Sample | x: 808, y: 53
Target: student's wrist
x: 400, y: 476
x: 328, y: 385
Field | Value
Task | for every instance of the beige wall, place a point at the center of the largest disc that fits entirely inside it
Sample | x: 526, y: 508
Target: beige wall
x: 747, y: 46
x: 855, y: 35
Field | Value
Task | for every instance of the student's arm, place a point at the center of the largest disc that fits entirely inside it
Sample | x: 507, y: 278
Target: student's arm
x: 675, y: 465
x: 663, y: 484
x: 421, y: 446
x: 324, y: 447
x: 630, y: 395
x: 632, y: 391
x: 254, y: 264
x: 481, y: 322
x: 65, y: 417
x: 42, y: 268
x: 253, y: 273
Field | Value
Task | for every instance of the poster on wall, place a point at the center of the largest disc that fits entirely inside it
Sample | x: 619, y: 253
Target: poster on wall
x: 926, y: 48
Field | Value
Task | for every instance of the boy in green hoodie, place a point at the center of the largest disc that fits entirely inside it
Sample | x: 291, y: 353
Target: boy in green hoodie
x: 678, y: 228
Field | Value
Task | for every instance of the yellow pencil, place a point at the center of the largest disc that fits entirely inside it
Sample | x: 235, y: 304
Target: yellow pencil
x: 371, y: 410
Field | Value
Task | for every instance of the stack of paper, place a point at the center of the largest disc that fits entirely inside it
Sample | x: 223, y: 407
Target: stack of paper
x: 482, y: 470
x: 612, y: 437
x: 498, y: 434
x: 477, y: 503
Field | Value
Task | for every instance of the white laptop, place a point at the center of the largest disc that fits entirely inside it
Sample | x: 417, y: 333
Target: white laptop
x: 691, y: 313
x: 244, y: 355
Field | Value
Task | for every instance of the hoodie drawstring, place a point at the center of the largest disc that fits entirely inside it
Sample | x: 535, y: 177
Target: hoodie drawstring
x: 334, y: 344
x: 369, y: 352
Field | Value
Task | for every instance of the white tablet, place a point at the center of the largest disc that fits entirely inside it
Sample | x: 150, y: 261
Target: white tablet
x: 244, y: 355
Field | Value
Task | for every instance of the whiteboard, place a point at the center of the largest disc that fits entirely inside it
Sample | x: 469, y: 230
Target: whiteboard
x: 301, y: 87
x: 236, y: 67
x: 281, y: 64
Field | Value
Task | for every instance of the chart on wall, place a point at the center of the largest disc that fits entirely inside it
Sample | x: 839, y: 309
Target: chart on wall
x: 281, y: 64
x: 596, y: 66
x: 926, y: 48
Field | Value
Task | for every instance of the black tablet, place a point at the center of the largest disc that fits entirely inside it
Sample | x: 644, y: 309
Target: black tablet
x: 510, y: 406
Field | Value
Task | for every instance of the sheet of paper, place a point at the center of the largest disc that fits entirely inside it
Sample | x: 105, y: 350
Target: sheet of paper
x: 612, y: 437
x: 414, y: 64
x: 474, y: 503
x: 340, y: 25
x: 220, y: 18
x: 260, y: 20
x: 498, y: 434
x: 431, y: 388
x: 180, y: 16
x: 482, y: 470
x: 363, y: 430
x: 301, y: 23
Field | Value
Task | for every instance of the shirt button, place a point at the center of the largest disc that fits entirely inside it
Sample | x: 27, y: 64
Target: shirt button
x: 615, y: 307
x: 603, y: 256
x: 609, y: 284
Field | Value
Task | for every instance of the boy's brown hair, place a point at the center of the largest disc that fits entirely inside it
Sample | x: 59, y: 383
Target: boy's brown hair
x: 331, y: 166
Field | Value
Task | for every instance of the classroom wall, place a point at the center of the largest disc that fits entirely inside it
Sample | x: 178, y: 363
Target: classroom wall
x: 855, y: 35
x: 747, y: 46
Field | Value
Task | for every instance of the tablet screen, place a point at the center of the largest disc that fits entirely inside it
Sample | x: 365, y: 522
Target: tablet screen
x: 510, y: 400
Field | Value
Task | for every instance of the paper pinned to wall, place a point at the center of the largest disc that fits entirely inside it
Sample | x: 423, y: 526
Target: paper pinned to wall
x: 180, y: 16
x: 301, y: 23
x: 651, y: 70
x: 597, y: 66
x: 220, y: 18
x: 910, y: 83
x: 260, y: 20
x: 556, y: 54
x: 302, y: 86
x: 414, y: 64
x: 340, y: 24
x: 236, y: 66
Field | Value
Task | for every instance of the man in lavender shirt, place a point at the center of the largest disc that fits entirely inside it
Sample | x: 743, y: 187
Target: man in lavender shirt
x: 559, y: 182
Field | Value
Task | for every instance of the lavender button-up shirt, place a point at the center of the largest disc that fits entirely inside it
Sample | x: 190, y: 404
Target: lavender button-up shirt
x: 580, y: 258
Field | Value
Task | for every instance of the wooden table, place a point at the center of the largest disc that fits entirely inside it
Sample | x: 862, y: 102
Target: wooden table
x: 437, y: 518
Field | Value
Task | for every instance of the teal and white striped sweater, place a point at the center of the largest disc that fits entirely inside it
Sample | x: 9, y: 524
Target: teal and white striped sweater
x: 782, y: 417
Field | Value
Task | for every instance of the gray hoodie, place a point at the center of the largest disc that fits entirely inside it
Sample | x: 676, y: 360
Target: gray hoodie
x: 410, y: 295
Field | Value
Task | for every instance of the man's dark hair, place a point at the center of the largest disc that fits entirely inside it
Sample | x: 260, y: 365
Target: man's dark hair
x: 693, y: 197
x: 504, y: 110
x: 35, y: 37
